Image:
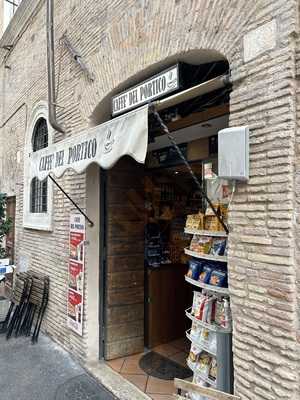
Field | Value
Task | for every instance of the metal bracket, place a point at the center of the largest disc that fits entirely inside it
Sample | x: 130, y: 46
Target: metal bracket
x: 77, y: 58
x: 91, y: 223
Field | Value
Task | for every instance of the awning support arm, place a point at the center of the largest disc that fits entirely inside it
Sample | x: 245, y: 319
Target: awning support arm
x: 174, y: 144
x: 91, y: 223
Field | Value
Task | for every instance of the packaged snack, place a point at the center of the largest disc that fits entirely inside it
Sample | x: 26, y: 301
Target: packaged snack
x: 198, y: 296
x: 220, y: 313
x: 204, y: 337
x: 218, y: 278
x: 194, y: 221
x: 195, y: 331
x: 194, y: 354
x: 203, y: 364
x: 201, y: 311
x: 202, y: 245
x: 212, y: 342
x: 218, y: 247
x: 195, y: 267
x: 204, y: 276
x: 213, y: 370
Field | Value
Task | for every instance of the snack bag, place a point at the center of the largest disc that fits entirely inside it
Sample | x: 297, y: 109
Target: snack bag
x: 204, y: 276
x: 198, y: 296
x: 195, y: 351
x: 195, y: 267
x: 213, y: 370
x: 203, y: 364
x: 200, y: 312
x: 195, y: 331
x: 218, y: 278
x: 204, y: 337
x: 220, y: 313
x: 218, y: 247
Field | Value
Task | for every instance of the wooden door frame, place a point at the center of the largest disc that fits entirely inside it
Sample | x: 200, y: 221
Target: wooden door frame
x: 102, y: 265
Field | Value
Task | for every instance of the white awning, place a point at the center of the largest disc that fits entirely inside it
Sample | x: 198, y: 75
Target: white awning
x: 104, y: 144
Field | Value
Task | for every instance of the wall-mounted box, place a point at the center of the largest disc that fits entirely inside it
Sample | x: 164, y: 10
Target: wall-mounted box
x: 233, y: 154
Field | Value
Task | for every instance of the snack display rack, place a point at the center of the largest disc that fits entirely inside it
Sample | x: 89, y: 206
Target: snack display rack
x: 223, y: 353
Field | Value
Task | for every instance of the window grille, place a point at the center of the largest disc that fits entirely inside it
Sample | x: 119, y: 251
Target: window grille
x: 39, y: 189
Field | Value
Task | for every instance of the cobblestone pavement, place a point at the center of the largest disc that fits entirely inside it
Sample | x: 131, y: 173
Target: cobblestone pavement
x: 43, y: 371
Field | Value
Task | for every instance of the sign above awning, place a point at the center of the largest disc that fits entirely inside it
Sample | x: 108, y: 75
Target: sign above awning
x: 104, y: 144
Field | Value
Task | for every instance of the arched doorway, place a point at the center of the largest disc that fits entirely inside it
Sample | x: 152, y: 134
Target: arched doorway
x: 141, y: 307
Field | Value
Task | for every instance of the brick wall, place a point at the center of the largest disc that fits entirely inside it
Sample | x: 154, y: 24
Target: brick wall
x: 123, y: 41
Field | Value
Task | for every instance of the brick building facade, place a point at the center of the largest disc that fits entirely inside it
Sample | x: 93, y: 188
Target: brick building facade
x: 122, y: 43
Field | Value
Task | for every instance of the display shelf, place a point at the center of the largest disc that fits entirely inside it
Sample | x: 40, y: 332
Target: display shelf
x: 200, y: 232
x: 205, y: 256
x: 203, y: 377
x: 200, y: 344
x: 210, y: 288
x: 210, y: 327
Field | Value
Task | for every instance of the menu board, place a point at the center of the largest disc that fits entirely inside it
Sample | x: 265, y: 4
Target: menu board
x: 76, y: 273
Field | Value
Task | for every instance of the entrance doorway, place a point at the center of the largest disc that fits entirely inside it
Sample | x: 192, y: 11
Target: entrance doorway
x: 145, y: 292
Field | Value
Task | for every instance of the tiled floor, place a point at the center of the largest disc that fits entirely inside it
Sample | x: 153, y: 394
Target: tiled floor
x: 157, y: 389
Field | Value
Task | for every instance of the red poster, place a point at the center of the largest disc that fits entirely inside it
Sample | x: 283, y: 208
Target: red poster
x: 76, y: 273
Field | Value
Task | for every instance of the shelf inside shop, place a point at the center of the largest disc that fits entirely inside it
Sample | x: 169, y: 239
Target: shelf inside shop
x: 210, y: 327
x: 199, y: 232
x: 211, y: 288
x: 200, y: 344
x: 209, y: 257
x: 203, y: 377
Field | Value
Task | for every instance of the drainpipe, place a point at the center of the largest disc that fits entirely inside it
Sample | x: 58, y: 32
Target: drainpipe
x: 51, y: 69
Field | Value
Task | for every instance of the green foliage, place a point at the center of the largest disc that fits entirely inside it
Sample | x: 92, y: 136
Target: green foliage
x: 5, y: 223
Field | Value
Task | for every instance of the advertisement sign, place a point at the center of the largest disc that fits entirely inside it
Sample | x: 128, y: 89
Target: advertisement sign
x: 76, y: 273
x: 157, y: 86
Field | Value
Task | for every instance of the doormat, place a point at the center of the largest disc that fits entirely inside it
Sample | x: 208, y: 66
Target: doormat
x: 82, y: 387
x: 161, y: 367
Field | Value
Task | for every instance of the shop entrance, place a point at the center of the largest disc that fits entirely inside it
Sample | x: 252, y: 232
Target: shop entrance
x: 146, y: 207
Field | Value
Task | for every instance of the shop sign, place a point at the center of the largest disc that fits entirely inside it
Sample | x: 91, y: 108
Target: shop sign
x: 153, y: 88
x: 76, y: 273
x: 104, y: 144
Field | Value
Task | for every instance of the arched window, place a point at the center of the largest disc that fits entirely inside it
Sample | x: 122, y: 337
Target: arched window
x: 39, y: 189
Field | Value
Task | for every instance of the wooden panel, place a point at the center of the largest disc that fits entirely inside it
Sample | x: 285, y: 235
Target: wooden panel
x: 125, y: 313
x: 124, y: 347
x: 125, y: 296
x: 116, y: 263
x: 125, y: 259
x: 120, y: 332
x: 122, y: 280
x: 169, y: 296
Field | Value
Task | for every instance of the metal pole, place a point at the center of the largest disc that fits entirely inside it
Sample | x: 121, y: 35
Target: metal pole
x: 72, y: 201
x: 51, y: 69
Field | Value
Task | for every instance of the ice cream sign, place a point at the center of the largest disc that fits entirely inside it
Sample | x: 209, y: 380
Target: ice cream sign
x: 157, y: 86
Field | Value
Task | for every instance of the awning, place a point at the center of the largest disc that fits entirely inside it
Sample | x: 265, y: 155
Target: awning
x: 104, y: 144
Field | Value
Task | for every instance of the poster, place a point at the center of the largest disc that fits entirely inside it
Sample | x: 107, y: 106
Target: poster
x: 76, y: 273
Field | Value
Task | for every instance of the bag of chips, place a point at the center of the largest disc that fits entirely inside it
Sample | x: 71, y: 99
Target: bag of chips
x: 195, y: 331
x: 204, y: 276
x: 198, y: 296
x: 194, y: 354
x: 200, y: 382
x: 213, y: 370
x: 195, y: 268
x: 218, y: 278
x: 218, y: 247
x: 203, y: 364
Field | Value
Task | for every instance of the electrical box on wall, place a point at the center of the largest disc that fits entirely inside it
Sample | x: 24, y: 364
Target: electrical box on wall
x: 233, y: 153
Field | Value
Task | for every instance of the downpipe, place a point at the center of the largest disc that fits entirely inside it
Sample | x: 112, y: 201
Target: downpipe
x: 51, y: 69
